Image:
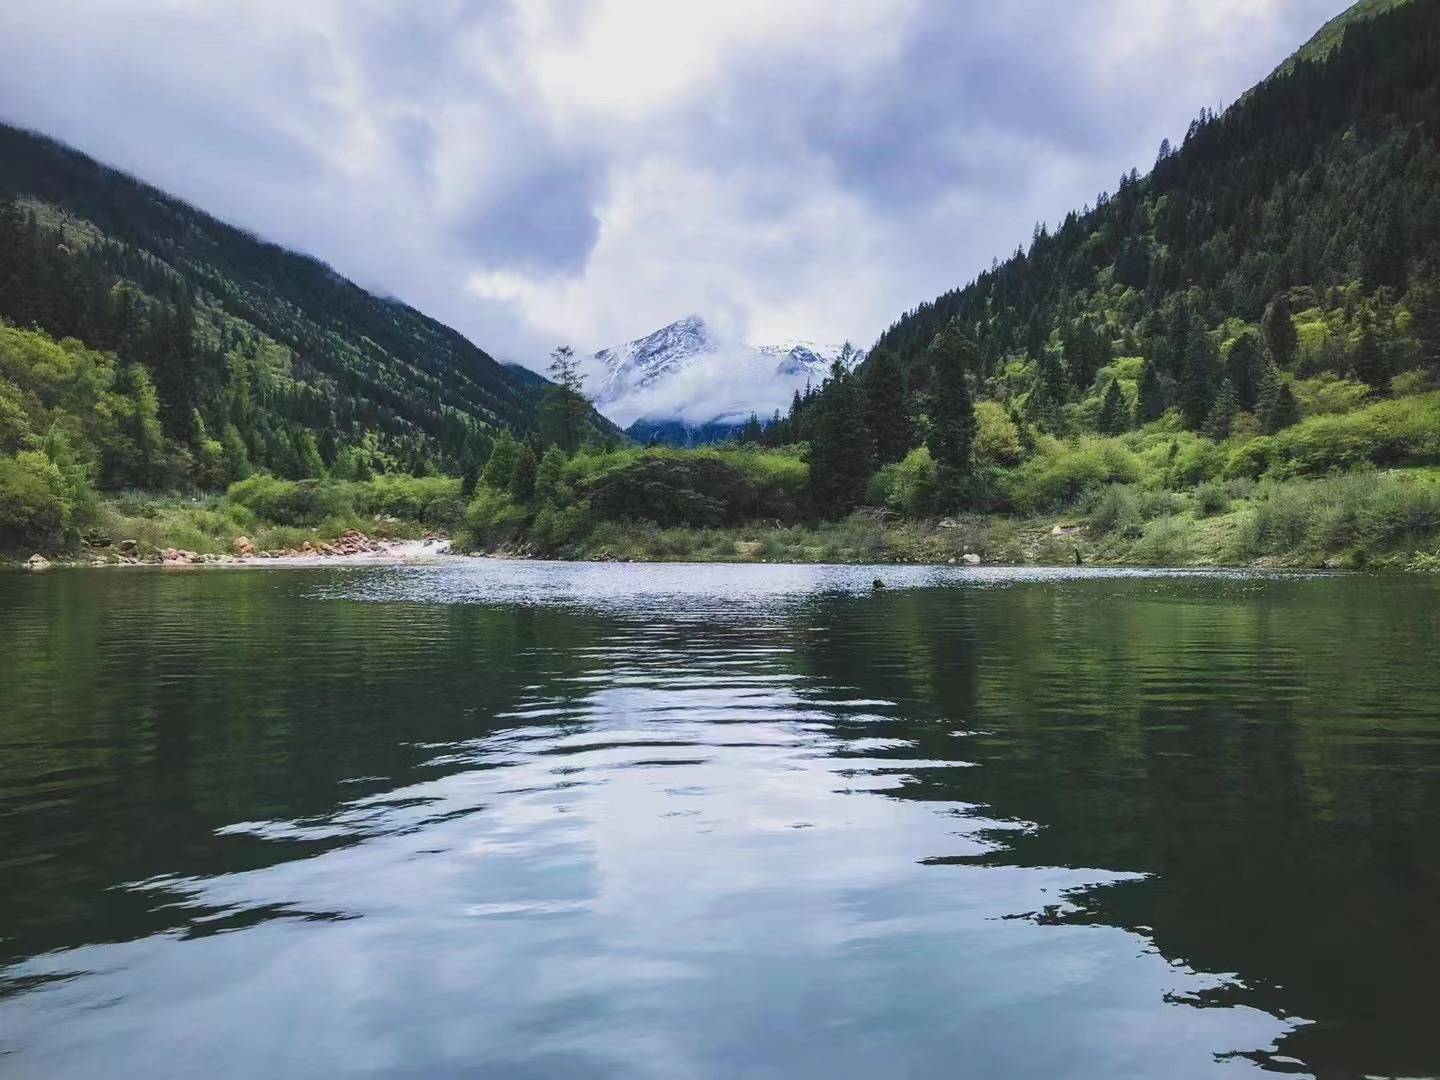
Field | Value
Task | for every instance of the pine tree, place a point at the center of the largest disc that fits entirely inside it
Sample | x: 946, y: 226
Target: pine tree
x: 549, y: 473
x: 1177, y: 338
x: 500, y: 466
x: 840, y: 451
x: 1369, y: 361
x: 171, y: 354
x: 1114, y: 413
x: 1222, y: 413
x: 885, y: 410
x: 1278, y: 407
x: 1197, y: 376
x: 1279, y: 330
x: 566, y: 401
x: 1049, y: 391
x: 951, y: 431
x: 1087, y: 350
x: 1423, y: 300
x: 751, y: 433
x: 1244, y: 367
x: 522, y: 479
x: 1386, y: 253
x: 1150, y: 403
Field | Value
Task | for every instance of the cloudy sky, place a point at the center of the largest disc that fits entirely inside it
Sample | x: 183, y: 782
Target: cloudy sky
x: 536, y: 171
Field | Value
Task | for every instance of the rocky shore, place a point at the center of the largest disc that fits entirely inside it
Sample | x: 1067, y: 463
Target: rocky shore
x: 352, y: 546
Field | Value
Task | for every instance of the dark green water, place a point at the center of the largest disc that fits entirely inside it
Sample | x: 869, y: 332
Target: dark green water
x: 517, y: 820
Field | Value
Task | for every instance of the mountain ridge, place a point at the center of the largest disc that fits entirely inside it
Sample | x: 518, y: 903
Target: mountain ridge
x: 686, y: 378
x: 334, y: 364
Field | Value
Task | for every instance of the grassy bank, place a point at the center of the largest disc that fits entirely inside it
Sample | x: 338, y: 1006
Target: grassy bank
x: 1378, y: 520
x: 1360, y: 489
x: 1387, y: 520
x: 274, y: 515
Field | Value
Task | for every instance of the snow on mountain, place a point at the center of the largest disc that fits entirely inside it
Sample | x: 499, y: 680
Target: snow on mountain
x: 639, y: 364
x: 802, y: 358
x: 688, y: 373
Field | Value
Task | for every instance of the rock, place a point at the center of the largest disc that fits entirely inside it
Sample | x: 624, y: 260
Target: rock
x: 97, y: 539
x: 952, y: 560
x: 1066, y: 529
x: 970, y: 559
x: 241, y: 547
x: 877, y: 584
x: 129, y: 547
x: 948, y: 523
x: 37, y: 562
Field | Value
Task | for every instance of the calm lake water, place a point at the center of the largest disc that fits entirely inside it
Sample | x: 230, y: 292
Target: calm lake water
x: 549, y: 820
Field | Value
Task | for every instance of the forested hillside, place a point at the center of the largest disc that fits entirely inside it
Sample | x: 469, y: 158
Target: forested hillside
x: 216, y: 353
x: 1193, y: 369
x: 1279, y: 265
x: 1318, y: 192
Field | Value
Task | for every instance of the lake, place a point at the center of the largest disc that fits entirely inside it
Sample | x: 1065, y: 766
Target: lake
x: 566, y: 820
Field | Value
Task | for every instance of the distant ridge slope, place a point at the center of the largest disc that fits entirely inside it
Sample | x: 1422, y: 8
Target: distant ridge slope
x: 1324, y: 177
x: 236, y: 330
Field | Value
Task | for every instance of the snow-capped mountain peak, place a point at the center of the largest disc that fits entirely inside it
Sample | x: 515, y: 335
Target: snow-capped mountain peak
x: 688, y: 372
x: 638, y: 364
x: 797, y: 357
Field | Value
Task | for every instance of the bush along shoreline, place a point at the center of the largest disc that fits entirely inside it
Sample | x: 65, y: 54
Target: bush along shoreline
x: 1157, y: 497
x: 259, y: 518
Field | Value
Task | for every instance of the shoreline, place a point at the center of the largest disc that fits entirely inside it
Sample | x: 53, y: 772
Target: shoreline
x: 365, y: 552
x: 973, y: 543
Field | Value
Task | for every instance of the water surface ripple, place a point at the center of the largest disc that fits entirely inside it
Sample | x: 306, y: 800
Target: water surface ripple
x: 532, y: 820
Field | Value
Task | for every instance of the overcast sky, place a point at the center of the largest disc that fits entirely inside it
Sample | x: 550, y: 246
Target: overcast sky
x: 541, y: 171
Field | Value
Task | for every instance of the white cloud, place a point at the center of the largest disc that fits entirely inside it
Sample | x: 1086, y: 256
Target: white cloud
x: 555, y: 170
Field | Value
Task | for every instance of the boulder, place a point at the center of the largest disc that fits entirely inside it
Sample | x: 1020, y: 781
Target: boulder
x: 970, y: 559
x: 241, y: 547
x: 129, y: 547
x: 37, y: 562
x: 1066, y: 529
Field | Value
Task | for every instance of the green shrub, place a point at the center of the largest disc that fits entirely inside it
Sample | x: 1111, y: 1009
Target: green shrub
x: 1167, y: 541
x: 1060, y: 472
x: 997, y: 439
x: 1116, y: 510
x: 1356, y: 513
x: 1404, y: 431
x: 429, y: 500
x: 558, y: 527
x: 294, y: 502
x: 907, y: 486
x: 1125, y: 509
x: 1418, y: 381
x: 1328, y: 393
x: 674, y: 489
x: 33, y: 508
x: 1250, y: 459
x: 492, y: 520
x: 1211, y: 499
